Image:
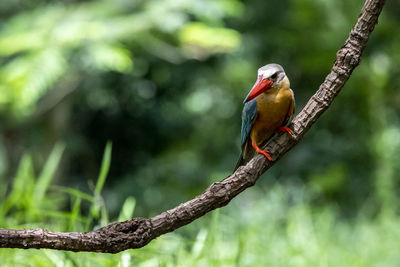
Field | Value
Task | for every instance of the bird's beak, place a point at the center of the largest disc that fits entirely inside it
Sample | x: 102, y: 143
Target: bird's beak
x: 260, y: 87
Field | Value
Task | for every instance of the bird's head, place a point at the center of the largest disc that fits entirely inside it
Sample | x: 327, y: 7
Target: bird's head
x: 269, y: 76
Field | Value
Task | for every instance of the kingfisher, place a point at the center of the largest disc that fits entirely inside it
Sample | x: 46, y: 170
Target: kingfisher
x: 268, y: 108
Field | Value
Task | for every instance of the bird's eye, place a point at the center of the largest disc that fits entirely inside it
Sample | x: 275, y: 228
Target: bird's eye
x: 273, y: 76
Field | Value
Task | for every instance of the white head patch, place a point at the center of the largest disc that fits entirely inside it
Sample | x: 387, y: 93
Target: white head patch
x: 266, y: 72
x: 270, y: 69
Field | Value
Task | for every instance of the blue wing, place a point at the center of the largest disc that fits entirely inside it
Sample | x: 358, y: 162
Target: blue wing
x: 248, y: 115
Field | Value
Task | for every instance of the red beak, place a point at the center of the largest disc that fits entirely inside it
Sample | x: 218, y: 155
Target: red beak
x: 260, y: 87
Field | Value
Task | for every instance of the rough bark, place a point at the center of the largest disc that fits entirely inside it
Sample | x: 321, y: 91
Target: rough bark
x: 138, y: 232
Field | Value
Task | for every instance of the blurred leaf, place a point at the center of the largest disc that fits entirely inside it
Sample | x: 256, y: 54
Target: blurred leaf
x: 127, y: 209
x: 108, y: 57
x: 75, y: 213
x: 198, y: 245
x: 47, y: 173
x: 201, y: 40
x: 73, y: 192
x: 105, y: 167
x: 24, y: 80
x: 22, y: 187
x: 98, y: 208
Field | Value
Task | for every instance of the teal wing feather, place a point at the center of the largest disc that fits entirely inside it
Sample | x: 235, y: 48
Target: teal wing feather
x: 248, y: 115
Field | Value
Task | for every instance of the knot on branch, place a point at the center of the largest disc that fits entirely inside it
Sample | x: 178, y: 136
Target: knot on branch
x: 221, y: 191
x: 133, y: 233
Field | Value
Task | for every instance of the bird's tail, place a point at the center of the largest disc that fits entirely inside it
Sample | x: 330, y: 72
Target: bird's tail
x: 240, y: 161
x: 245, y: 156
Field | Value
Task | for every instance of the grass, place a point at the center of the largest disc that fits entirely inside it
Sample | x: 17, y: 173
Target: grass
x: 280, y: 228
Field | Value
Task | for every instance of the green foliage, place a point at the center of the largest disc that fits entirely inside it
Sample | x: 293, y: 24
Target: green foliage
x: 39, y: 47
x: 27, y: 194
x: 281, y: 228
x: 33, y: 199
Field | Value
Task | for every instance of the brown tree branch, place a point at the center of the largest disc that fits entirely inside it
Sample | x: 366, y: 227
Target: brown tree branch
x: 138, y: 232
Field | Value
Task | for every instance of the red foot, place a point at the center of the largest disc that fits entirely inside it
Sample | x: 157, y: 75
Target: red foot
x: 284, y: 129
x: 260, y: 151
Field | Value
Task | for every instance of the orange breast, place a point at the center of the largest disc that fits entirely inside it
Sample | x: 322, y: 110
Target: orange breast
x: 272, y: 109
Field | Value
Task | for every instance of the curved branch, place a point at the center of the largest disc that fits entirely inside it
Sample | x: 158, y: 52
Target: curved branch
x: 138, y: 232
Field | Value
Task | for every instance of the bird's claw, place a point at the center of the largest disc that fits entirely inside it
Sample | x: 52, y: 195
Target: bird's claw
x: 284, y: 129
x: 265, y: 153
x: 260, y: 151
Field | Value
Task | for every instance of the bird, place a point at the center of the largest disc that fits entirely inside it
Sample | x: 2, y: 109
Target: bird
x: 268, y: 108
